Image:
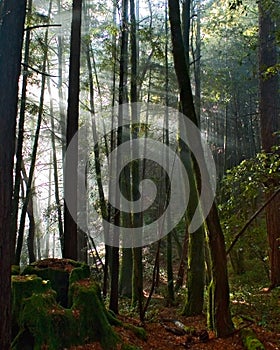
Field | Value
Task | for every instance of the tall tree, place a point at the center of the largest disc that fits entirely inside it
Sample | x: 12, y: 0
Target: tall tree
x: 123, y: 99
x: 222, y: 317
x: 170, y: 284
x: 53, y: 161
x: 270, y: 123
x: 12, y: 16
x: 70, y: 176
x: 137, y: 280
x: 196, y: 263
x: 35, y: 147
x: 20, y: 136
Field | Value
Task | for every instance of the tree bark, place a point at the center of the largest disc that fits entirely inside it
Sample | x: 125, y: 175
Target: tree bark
x: 223, y: 323
x: 12, y: 15
x: 70, y: 175
x: 20, y: 137
x: 55, y: 169
x: 34, y: 153
x: 270, y: 123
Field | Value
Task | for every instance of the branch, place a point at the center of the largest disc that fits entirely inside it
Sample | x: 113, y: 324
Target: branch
x: 239, y: 234
x: 42, y: 26
x: 37, y: 71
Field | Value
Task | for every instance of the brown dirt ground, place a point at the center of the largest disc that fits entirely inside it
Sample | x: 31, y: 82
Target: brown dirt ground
x: 161, y: 339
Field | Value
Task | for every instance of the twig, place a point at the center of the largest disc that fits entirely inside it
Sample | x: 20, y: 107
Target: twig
x: 153, y: 283
x: 39, y: 72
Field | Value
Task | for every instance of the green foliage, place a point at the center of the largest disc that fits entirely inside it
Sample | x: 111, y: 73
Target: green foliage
x: 249, y: 299
x: 243, y: 191
x: 271, y: 71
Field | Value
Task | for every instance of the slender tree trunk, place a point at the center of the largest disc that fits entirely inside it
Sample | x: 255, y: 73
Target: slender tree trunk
x: 108, y: 249
x: 196, y: 264
x: 20, y: 136
x: 60, y: 54
x: 223, y: 323
x: 31, y: 232
x: 30, y: 213
x: 12, y: 14
x: 123, y: 98
x: 70, y: 175
x: 34, y: 152
x: 170, y: 284
x: 55, y: 168
x: 137, y: 218
x: 184, y: 256
x: 48, y: 219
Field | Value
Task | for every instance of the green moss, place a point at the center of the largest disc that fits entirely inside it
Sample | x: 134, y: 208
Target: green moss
x: 79, y: 273
x: 129, y: 347
x: 250, y: 340
x: 59, y: 277
x: 93, y: 321
x: 59, y: 280
x: 112, y: 318
x: 138, y: 331
x: 23, y: 287
x: 39, y: 321
x: 15, y: 270
x: 47, y: 323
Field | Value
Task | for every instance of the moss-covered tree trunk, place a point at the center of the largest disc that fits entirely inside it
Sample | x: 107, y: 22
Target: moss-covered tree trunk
x: 223, y: 323
x: 126, y: 273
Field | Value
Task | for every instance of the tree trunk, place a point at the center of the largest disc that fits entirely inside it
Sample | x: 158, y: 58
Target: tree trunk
x: 71, y: 165
x: 183, y: 259
x: 223, y: 323
x: 34, y: 153
x: 55, y: 169
x: 221, y: 312
x: 60, y: 54
x: 31, y: 232
x: 270, y: 123
x: 196, y: 264
x: 137, y: 279
x: 20, y: 137
x: 12, y: 13
x: 170, y: 283
x: 123, y: 98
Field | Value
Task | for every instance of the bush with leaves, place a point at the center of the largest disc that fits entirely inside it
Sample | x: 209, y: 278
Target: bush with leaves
x: 242, y: 193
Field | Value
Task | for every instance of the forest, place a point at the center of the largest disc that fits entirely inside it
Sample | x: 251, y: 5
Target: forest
x: 139, y: 174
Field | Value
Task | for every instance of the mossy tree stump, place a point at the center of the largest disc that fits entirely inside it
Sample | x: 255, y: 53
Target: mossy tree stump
x: 41, y: 316
x: 60, y: 272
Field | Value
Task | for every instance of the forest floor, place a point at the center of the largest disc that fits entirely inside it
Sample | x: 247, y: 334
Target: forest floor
x: 160, y: 338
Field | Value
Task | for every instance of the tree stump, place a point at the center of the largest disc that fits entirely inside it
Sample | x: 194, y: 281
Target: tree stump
x: 56, y: 305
